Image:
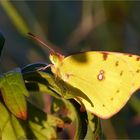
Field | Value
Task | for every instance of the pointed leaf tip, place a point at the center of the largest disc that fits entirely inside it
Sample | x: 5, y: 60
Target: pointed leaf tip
x: 22, y: 115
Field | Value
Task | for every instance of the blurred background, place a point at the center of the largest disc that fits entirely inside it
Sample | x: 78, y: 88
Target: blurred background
x: 70, y: 27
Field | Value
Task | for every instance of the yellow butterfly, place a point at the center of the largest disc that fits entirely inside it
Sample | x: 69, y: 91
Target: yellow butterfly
x: 107, y: 78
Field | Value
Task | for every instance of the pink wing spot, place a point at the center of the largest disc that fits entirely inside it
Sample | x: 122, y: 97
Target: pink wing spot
x: 100, y: 76
x: 138, y: 58
x: 130, y: 55
x: 105, y: 55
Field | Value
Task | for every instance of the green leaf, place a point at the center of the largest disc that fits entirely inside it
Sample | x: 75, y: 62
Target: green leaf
x: 87, y: 126
x: 13, y: 91
x: 2, y: 40
x: 81, y: 120
x: 94, y: 128
x: 69, y: 111
x: 43, y: 125
x: 42, y: 82
x: 53, y: 86
x: 5, y: 125
x: 39, y: 125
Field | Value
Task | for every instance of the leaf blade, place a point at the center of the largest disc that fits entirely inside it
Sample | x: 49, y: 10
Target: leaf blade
x: 13, y: 92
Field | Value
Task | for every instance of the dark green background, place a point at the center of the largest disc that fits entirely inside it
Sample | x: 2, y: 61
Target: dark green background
x: 75, y: 26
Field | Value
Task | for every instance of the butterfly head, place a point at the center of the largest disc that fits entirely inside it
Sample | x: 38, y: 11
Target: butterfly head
x: 56, y: 60
x: 55, y: 57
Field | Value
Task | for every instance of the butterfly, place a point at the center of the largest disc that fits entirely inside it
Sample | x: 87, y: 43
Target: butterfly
x: 108, y: 79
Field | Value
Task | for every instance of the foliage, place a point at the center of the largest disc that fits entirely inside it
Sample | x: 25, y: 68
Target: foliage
x: 21, y: 119
x: 73, y: 26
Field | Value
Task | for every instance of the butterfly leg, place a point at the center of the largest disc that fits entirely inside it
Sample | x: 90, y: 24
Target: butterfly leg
x: 44, y: 68
x: 67, y: 76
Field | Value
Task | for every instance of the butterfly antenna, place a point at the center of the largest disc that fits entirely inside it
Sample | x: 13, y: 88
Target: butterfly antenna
x: 40, y: 41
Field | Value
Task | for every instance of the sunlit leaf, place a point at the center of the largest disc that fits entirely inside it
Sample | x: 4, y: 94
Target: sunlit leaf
x: 39, y: 125
x: 52, y: 85
x: 9, y: 125
x: 69, y: 110
x: 93, y: 131
x: 41, y: 82
x: 13, y: 92
x: 81, y: 120
x: 43, y: 125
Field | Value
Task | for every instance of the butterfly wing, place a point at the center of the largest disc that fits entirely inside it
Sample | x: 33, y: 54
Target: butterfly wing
x: 133, y: 62
x: 104, y: 77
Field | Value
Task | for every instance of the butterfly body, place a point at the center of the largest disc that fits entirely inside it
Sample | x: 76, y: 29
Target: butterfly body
x: 108, y: 79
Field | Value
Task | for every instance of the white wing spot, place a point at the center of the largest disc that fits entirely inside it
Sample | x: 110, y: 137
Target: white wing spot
x: 101, y: 76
